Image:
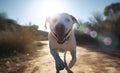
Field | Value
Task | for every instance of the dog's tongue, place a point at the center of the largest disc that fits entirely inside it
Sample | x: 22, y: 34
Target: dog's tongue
x: 61, y: 39
x: 60, y: 42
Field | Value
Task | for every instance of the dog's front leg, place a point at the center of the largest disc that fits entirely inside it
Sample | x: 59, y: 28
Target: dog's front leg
x: 60, y: 65
x: 73, y: 54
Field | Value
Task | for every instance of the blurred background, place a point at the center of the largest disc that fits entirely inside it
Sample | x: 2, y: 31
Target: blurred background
x: 99, y: 20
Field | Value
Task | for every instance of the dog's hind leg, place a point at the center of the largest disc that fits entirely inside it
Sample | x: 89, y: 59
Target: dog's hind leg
x: 67, y: 68
x: 73, y: 54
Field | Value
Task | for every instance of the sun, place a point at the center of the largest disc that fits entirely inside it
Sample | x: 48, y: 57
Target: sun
x: 38, y: 11
x: 50, y: 7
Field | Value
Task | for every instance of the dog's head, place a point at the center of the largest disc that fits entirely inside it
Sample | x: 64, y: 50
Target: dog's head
x: 61, y: 26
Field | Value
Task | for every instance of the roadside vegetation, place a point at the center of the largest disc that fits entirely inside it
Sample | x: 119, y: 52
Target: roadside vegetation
x: 102, y: 29
x: 15, y: 38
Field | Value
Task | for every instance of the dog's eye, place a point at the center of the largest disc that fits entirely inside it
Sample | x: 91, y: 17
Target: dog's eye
x: 67, y: 20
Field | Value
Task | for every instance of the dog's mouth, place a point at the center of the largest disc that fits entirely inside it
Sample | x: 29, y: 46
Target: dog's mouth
x: 62, y: 37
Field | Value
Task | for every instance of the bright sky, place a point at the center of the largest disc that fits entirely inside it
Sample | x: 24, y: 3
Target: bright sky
x: 36, y: 11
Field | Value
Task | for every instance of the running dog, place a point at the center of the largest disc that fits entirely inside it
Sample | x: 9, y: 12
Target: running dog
x: 61, y: 38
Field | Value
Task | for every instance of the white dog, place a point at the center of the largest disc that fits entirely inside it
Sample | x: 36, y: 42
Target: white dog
x: 61, y: 38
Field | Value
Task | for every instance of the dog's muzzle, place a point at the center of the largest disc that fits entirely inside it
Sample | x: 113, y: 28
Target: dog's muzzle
x: 61, y: 38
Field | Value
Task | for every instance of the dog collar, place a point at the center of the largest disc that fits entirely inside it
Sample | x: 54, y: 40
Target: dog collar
x: 67, y: 35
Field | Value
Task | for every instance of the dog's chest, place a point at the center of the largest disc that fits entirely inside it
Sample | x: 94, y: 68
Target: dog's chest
x: 69, y: 44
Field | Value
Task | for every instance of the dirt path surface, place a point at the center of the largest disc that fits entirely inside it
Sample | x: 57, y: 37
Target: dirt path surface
x: 88, y: 61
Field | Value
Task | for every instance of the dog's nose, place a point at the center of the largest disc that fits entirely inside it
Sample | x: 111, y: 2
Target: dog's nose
x: 60, y: 27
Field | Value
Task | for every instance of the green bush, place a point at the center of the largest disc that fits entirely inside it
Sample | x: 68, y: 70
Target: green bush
x: 85, y: 39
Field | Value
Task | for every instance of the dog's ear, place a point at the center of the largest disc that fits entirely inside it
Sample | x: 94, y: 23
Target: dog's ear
x: 74, y: 19
x: 46, y: 22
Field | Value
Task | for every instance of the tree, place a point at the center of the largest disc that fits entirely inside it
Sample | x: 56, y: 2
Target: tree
x: 112, y: 9
x: 96, y: 18
x: 6, y: 23
x: 112, y: 12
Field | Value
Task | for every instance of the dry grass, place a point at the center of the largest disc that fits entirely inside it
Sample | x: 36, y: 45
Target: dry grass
x: 17, y: 47
x: 18, y: 40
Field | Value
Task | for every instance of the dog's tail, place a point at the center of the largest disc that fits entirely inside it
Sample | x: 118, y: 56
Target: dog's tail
x: 66, y: 66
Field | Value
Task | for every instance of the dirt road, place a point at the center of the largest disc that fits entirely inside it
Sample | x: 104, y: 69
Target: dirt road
x: 88, y: 61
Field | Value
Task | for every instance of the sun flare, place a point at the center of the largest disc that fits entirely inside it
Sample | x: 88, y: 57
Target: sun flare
x: 50, y: 7
x: 40, y: 10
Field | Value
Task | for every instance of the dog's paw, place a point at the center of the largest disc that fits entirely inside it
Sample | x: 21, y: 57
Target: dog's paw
x: 69, y: 71
x: 60, y: 65
x: 72, y: 62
